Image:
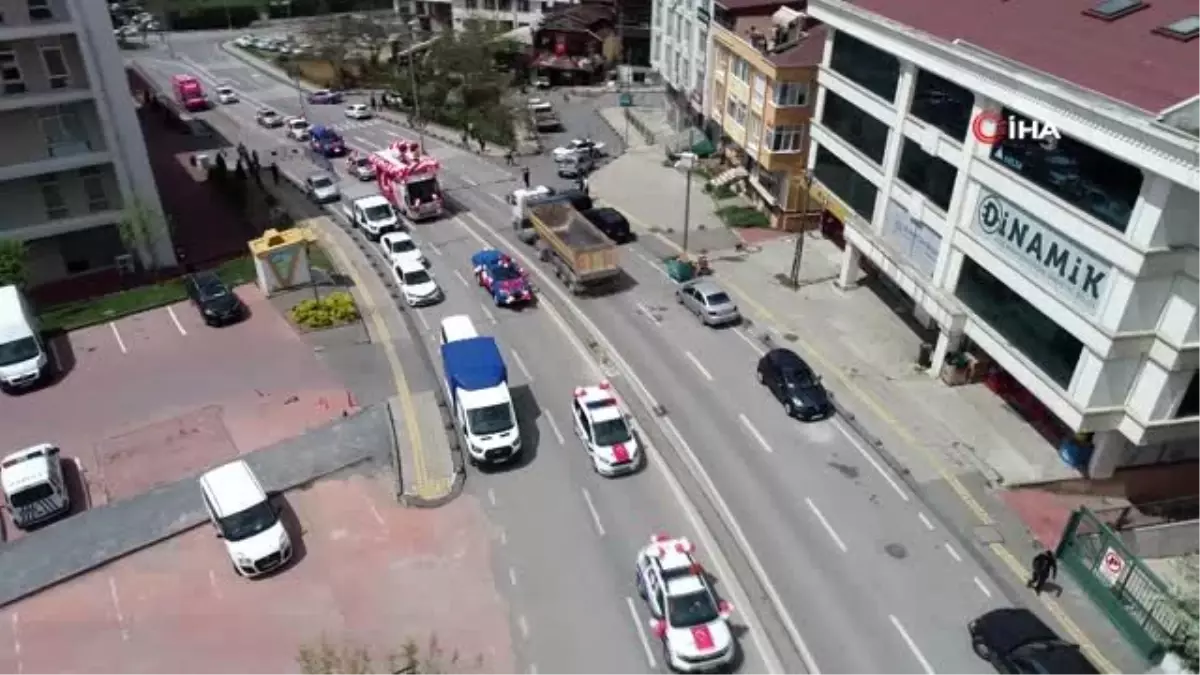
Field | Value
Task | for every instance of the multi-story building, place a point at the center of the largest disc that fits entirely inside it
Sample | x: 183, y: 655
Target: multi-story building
x: 502, y: 14
x: 72, y: 159
x: 679, y: 47
x: 1064, y: 253
x: 762, y: 88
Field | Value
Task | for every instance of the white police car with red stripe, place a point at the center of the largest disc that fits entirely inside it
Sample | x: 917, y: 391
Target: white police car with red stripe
x: 602, y: 427
x: 692, y: 624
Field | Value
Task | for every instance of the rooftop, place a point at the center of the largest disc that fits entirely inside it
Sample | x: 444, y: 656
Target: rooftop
x: 1120, y: 48
x: 808, y: 50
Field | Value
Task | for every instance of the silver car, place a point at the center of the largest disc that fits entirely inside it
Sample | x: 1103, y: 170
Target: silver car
x: 709, y: 302
x: 321, y: 188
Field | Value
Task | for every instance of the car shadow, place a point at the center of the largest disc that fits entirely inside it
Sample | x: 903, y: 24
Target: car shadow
x: 296, y: 532
x: 62, y: 355
x: 527, y: 409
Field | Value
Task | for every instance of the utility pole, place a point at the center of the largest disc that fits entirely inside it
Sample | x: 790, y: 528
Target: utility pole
x: 687, y: 199
x: 798, y: 253
x: 228, y: 16
x: 412, y: 79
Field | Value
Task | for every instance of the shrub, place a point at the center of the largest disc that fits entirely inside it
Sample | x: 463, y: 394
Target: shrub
x: 334, y: 309
x: 722, y: 192
x: 743, y: 216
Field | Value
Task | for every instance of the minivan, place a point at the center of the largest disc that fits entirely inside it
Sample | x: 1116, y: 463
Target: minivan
x: 23, y: 361
x: 245, y: 519
x: 457, y: 327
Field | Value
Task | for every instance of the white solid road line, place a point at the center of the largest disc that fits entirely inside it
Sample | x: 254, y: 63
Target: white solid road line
x: 699, y: 366
x: 421, y: 318
x: 953, y: 554
x: 825, y: 523
x: 362, y: 140
x: 16, y: 631
x: 486, y: 244
x: 433, y: 247
x: 116, y: 601
x: 912, y: 646
x: 175, y: 320
x: 983, y: 587
x: 750, y: 341
x: 488, y: 313
x: 587, y: 497
x: 212, y: 582
x: 521, y: 364
x: 925, y: 521
x: 117, y: 334
x: 554, y: 427
x: 462, y: 278
x: 754, y: 432
x: 870, y: 460
x: 637, y: 625
x: 645, y: 311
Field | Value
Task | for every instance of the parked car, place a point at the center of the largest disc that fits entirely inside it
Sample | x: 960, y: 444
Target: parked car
x: 358, y: 111
x: 708, y: 301
x: 324, y: 96
x: 792, y: 382
x: 226, y: 94
x: 1017, y: 641
x: 217, y: 303
x: 321, y: 188
x: 268, y: 118
x: 611, y: 223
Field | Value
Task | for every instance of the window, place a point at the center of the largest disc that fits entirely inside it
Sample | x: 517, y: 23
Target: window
x: 943, y: 104
x: 774, y: 183
x: 874, y: 69
x: 1053, y: 350
x: 1095, y: 182
x: 929, y: 175
x: 1189, y: 405
x: 722, y: 61
x: 10, y: 73
x: 93, y: 187
x: 471, y: 4
x: 522, y: 5
x: 56, y: 206
x: 855, y: 126
x: 858, y: 192
x: 759, y: 92
x: 93, y: 248
x: 791, y: 94
x: 737, y: 111
x: 741, y: 69
x: 785, y: 139
x: 56, y: 67
x: 753, y: 132
x: 39, y: 10
x: 65, y: 133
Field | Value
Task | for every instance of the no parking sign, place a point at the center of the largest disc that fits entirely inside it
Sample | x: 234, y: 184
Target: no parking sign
x: 1112, y: 566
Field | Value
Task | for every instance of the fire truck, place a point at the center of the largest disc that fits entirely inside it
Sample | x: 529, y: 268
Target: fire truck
x: 408, y: 179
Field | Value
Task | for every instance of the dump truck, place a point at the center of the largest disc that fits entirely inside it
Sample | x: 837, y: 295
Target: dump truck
x: 581, y: 255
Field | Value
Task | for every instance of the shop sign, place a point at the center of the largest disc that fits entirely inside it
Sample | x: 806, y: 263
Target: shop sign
x: 1074, y: 272
x: 828, y: 202
x: 916, y: 241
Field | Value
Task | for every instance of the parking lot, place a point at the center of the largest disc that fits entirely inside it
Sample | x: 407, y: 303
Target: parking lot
x: 365, y: 571
x: 158, y: 396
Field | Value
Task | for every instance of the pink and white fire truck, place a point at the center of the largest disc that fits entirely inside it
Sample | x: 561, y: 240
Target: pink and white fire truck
x: 408, y: 179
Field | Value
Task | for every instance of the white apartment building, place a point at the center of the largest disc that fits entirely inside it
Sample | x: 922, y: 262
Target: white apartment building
x: 679, y: 49
x: 1071, y: 262
x: 72, y: 158
x: 507, y: 14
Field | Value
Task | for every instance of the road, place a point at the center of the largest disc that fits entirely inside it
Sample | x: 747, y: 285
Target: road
x: 843, y: 550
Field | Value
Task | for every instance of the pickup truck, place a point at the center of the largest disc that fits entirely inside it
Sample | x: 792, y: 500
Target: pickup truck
x: 581, y: 255
x: 374, y: 215
x: 477, y: 389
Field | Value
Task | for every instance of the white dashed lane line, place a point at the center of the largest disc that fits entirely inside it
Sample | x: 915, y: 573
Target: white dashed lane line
x: 699, y: 366
x: 953, y: 553
x: 925, y: 521
x: 587, y: 497
x: 825, y: 523
x: 762, y: 442
x: 554, y: 428
x: 637, y: 625
x: 912, y: 646
x: 117, y: 334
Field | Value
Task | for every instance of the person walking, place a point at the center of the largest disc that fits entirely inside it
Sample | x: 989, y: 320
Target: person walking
x: 373, y: 103
x: 1045, y: 567
x: 275, y: 173
x: 525, y: 176
x: 508, y: 158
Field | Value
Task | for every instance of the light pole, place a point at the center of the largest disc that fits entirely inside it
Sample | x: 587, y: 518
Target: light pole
x: 687, y: 199
x: 798, y: 253
x: 228, y: 16
x: 412, y: 80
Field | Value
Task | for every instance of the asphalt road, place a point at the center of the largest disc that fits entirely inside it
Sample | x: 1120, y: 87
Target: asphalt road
x: 868, y: 576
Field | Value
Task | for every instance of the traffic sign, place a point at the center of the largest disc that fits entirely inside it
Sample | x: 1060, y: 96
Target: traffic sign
x: 1112, y: 565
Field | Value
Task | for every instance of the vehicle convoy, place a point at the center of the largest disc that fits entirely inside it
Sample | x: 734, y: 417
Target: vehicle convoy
x: 408, y: 179
x: 189, y: 93
x: 581, y: 255
x: 326, y: 142
x: 34, y: 488
x: 501, y: 277
x: 603, y: 428
x: 477, y: 388
x: 374, y: 215
x: 23, y: 359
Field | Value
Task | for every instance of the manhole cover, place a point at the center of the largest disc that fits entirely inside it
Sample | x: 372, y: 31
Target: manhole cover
x: 791, y: 337
x: 988, y: 535
x: 897, y: 551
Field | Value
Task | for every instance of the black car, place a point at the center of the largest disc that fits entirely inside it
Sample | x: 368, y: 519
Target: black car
x: 611, y: 223
x: 216, y: 302
x: 1017, y: 641
x: 789, y: 378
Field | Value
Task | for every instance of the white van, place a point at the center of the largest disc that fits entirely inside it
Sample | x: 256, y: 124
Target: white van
x: 455, y: 328
x: 34, y: 488
x: 245, y: 518
x: 22, y: 355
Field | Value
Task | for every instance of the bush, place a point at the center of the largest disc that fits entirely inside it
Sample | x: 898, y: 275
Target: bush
x: 722, y: 192
x: 334, y: 309
x: 743, y: 216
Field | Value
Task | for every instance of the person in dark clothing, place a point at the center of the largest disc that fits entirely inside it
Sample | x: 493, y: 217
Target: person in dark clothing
x: 1045, y: 567
x: 254, y: 161
x: 508, y: 158
x: 525, y: 176
x: 275, y: 173
x: 373, y: 104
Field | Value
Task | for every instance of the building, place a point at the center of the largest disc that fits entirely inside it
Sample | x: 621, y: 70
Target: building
x: 574, y: 44
x: 761, y: 94
x: 73, y: 160
x: 1065, y: 254
x: 679, y: 46
x: 499, y: 14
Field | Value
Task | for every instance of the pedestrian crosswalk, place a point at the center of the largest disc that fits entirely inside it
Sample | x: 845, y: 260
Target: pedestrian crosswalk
x: 354, y: 125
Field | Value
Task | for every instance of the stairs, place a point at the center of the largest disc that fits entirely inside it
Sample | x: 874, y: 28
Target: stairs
x: 728, y: 176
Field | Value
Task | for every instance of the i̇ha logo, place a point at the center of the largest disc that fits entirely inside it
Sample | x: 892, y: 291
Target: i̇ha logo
x: 990, y: 128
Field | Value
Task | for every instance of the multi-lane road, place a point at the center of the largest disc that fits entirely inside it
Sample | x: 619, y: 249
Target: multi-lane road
x: 844, y: 568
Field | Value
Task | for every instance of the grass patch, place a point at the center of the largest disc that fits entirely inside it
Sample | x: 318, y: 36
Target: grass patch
x: 743, y: 216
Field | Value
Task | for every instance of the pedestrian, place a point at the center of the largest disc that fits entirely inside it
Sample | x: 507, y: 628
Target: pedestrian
x: 254, y: 162
x: 482, y: 146
x: 525, y: 176
x: 275, y: 173
x: 372, y: 102
x: 241, y: 150
x: 1045, y: 567
x: 508, y: 158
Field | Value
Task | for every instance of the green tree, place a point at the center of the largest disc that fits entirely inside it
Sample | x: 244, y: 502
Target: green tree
x: 347, y: 658
x: 142, y: 229
x: 343, y: 40
x: 1188, y: 592
x: 13, y: 262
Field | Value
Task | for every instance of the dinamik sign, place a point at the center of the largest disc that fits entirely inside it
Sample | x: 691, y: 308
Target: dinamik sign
x: 1074, y: 274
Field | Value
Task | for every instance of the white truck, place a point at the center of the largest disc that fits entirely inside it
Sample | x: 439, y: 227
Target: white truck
x: 477, y: 386
x: 374, y: 215
x: 23, y: 360
x: 33, y: 484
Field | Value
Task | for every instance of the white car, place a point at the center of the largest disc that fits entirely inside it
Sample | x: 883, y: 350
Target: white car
x: 227, y: 95
x: 692, y: 624
x: 416, y: 284
x: 245, y: 41
x: 361, y: 167
x: 540, y: 105
x: 245, y: 519
x: 400, y: 248
x: 358, y: 111
x: 602, y: 427
x: 298, y: 128
x: 579, y: 146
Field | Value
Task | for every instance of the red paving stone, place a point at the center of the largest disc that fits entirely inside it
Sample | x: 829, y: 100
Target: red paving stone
x: 367, y: 572
x: 1044, y: 513
x: 753, y: 236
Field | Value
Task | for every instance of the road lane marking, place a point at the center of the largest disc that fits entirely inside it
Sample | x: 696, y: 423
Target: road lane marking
x: 433, y: 247
x: 487, y: 313
x: 116, y: 601
x: 754, y: 344
x: 645, y: 311
x: 484, y: 242
x: 699, y: 366
x: 521, y: 364
x: 377, y: 516
x: 462, y: 278
x: 117, y: 334
x: 175, y: 320
x: 953, y: 553
x: 491, y: 496
x: 16, y: 631
x: 637, y: 625
x: 512, y: 576
x: 212, y: 581
x: 870, y: 460
x: 362, y: 140
x: 825, y: 523
x: 503, y: 537
x: 983, y: 587
x: 587, y: 497
x: 912, y: 646
x: 524, y: 626
x: 554, y: 427
x: 468, y: 180
x: 754, y: 432
x: 925, y: 520
x: 498, y: 198
x: 421, y: 318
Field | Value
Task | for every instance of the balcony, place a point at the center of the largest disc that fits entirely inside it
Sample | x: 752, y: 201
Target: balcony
x: 42, y: 73
x: 60, y: 157
x: 20, y: 21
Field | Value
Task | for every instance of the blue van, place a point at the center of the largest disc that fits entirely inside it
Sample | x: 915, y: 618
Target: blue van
x: 327, y: 142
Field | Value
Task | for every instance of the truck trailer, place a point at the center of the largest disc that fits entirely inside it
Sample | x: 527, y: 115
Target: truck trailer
x: 582, y: 257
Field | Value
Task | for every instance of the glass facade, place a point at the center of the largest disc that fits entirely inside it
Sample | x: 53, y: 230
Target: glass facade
x: 873, y: 69
x: 943, y: 104
x: 1093, y: 181
x: 855, y: 126
x: 1051, y: 349
x: 858, y: 192
x: 931, y: 176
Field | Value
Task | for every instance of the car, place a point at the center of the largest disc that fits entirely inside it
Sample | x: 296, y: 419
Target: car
x: 603, y: 427
x: 298, y: 128
x: 1016, y: 641
x: 708, y: 301
x: 217, y: 303
x: 541, y: 82
x: 575, y: 166
x: 245, y: 41
x: 226, y: 95
x: 358, y: 111
x: 325, y: 141
x: 794, y: 384
x: 691, y: 622
x: 324, y: 96
x: 416, y: 284
x: 579, y: 146
x: 537, y: 105
x: 268, y: 118
x: 245, y: 519
x: 321, y: 188
x: 501, y: 277
x: 611, y: 222
x: 400, y: 247
x: 361, y: 167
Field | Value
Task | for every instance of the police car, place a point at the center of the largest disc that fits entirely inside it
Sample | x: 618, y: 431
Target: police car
x: 692, y: 624
x: 601, y: 426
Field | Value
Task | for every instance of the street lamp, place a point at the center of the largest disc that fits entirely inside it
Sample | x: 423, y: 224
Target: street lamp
x: 687, y: 199
x: 412, y: 80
